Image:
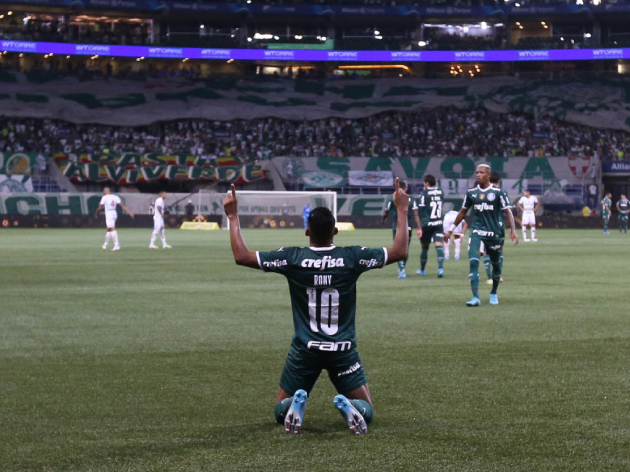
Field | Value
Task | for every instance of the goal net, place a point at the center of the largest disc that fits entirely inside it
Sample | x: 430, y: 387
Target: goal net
x: 262, y: 209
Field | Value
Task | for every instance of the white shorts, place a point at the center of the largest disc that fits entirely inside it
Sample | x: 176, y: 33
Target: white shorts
x: 528, y: 219
x: 458, y: 229
x: 110, y: 220
x: 158, y: 223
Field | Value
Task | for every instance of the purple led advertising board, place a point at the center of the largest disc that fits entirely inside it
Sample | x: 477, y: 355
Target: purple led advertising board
x: 309, y: 55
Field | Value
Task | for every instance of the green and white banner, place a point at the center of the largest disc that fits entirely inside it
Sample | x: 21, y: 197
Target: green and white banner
x: 209, y: 203
x: 133, y: 168
x: 599, y: 103
x: 455, y: 175
x: 271, y: 204
x: 86, y: 203
x: 322, y: 179
x: 371, y: 178
x: 15, y: 171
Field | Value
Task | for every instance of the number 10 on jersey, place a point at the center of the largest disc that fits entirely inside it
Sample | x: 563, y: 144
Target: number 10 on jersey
x: 328, y: 302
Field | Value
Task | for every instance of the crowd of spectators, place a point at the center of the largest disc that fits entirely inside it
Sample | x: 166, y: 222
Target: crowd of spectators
x: 442, y: 132
x: 53, y: 29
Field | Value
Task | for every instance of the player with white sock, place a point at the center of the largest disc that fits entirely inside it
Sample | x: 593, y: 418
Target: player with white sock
x: 458, y: 234
x: 109, y: 201
x: 528, y: 204
x: 158, y: 222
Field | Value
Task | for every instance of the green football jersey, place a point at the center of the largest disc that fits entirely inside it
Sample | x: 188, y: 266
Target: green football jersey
x: 507, y: 199
x: 430, y: 206
x: 624, y: 205
x: 323, y: 289
x: 606, y: 201
x: 487, y: 207
x: 393, y: 212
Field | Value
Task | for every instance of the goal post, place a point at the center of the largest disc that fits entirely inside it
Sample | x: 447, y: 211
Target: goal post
x: 279, y: 209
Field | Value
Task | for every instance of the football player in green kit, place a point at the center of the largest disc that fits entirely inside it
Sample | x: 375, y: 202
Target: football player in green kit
x: 623, y: 207
x: 322, y: 284
x: 390, y: 210
x: 490, y: 209
x: 429, y: 224
x: 606, y: 204
x: 495, y: 179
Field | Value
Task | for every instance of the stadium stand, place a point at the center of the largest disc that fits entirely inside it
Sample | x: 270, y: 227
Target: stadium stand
x: 442, y: 132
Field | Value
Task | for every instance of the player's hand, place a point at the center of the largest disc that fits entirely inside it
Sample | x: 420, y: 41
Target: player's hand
x: 447, y: 236
x: 400, y: 197
x: 513, y: 236
x: 132, y: 215
x: 230, y: 204
x: 419, y: 234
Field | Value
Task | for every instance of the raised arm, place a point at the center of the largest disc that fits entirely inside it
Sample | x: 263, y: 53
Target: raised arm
x: 398, y: 251
x: 242, y: 255
x: 122, y: 205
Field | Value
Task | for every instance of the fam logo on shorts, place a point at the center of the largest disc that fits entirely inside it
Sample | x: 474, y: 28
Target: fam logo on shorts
x: 491, y: 197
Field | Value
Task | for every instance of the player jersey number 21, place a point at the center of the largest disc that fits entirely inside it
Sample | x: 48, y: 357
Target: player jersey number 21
x: 328, y: 301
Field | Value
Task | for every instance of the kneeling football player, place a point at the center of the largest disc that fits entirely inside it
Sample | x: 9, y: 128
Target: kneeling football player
x: 322, y: 283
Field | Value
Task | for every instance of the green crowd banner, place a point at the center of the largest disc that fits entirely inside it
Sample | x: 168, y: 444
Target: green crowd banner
x: 600, y: 103
x: 133, y: 168
x: 20, y: 163
x: 16, y: 169
x: 454, y: 173
x: 207, y: 204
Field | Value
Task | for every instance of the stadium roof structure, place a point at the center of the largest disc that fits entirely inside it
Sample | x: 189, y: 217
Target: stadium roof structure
x: 255, y: 8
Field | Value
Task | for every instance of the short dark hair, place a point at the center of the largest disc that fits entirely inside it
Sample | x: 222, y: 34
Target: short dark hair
x: 402, y: 184
x: 321, y: 223
x: 495, y: 177
x: 430, y: 179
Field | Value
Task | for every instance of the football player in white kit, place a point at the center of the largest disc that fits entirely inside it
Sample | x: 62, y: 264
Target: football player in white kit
x: 158, y: 222
x: 528, y: 204
x: 109, y: 202
x: 458, y: 234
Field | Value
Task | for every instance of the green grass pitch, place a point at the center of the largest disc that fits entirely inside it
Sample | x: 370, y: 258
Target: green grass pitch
x: 169, y: 360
